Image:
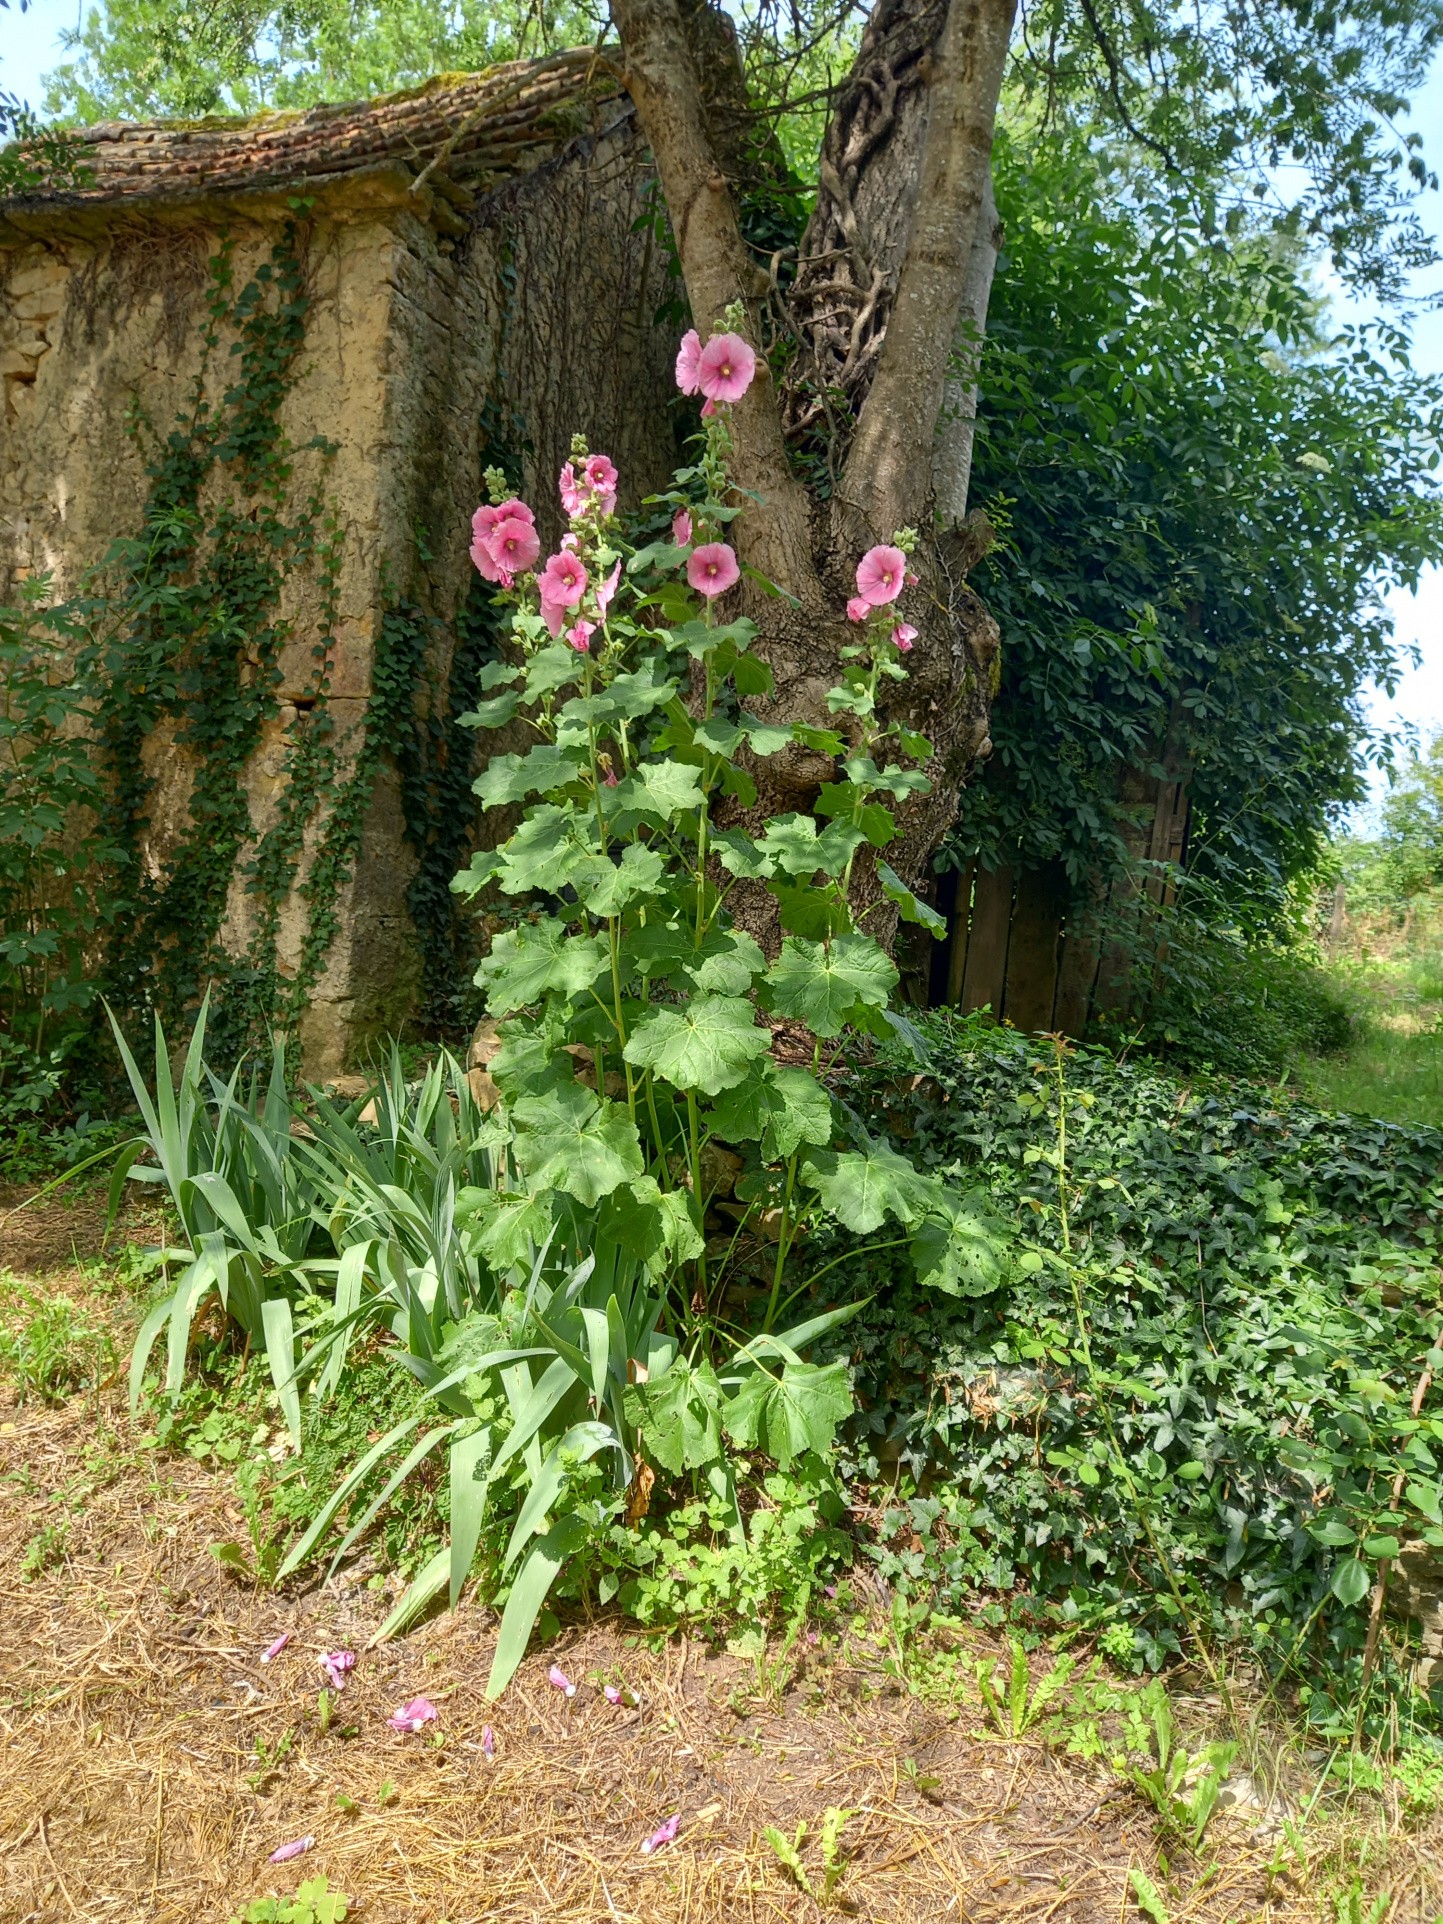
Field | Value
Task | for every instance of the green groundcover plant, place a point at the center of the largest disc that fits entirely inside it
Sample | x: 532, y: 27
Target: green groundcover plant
x: 594, y: 1280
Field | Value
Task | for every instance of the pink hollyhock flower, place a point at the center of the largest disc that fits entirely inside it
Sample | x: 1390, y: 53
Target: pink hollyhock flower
x: 688, y: 355
x: 515, y: 510
x: 273, y: 1650
x: 514, y: 545
x: 610, y: 778
x: 553, y: 613
x: 288, y: 1851
x: 611, y: 1693
x: 726, y: 367
x: 338, y: 1665
x: 488, y: 1743
x: 879, y: 575
x: 904, y: 634
x: 858, y: 608
x: 484, y: 560
x: 573, y: 495
x: 579, y: 635
x: 708, y: 409
x: 911, y: 580
x: 602, y: 479
x: 663, y: 1834
x: 559, y: 1680
x: 606, y: 589
x: 414, y: 1716
x: 563, y: 580
x: 484, y: 520
x: 712, y: 569
x: 681, y: 528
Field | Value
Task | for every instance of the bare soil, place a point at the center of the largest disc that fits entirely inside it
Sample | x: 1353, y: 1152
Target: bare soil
x: 151, y: 1762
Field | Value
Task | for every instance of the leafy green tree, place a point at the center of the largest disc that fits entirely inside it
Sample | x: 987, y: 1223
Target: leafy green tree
x: 1203, y: 496
x: 1412, y: 838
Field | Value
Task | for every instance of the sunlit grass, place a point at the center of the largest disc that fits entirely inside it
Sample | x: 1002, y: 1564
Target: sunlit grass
x: 1395, y: 1068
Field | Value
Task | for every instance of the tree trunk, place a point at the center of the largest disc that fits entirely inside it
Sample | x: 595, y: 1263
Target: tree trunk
x: 890, y: 257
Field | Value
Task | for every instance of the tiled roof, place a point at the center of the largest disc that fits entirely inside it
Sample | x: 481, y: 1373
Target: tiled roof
x: 471, y: 129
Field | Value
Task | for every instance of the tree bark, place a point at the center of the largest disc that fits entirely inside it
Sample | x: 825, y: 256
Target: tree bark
x: 952, y: 455
x: 882, y: 276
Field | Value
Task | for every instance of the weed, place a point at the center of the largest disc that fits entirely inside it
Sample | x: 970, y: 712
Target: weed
x: 269, y: 1758
x: 49, y: 1347
x: 1018, y: 1707
x: 46, y: 1549
x: 789, y: 1853
x: 314, y: 1903
x: 1182, y: 1789
x: 1149, y: 1898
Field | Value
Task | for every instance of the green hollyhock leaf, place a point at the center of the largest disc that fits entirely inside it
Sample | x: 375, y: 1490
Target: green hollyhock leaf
x: 821, y: 984
x: 874, y: 820
x: 543, y: 853
x: 825, y: 741
x: 791, y: 844
x: 484, y: 864
x: 653, y: 1224
x: 656, y: 793
x: 960, y: 1250
x: 497, y: 674
x: 540, y: 958
x: 721, y: 737
x: 739, y: 854
x: 679, y: 1416
x: 551, y: 667
x: 491, y: 714
x: 810, y: 912
x: 508, y: 1230
x: 788, y: 1415
x: 738, y: 784
x: 861, y: 1191
x: 898, y: 782
x: 751, y: 676
x: 704, y: 1045
x: 658, y: 949
x: 730, y: 961
x: 910, y: 907
x: 766, y: 738
x: 526, y: 1063
x: 915, y: 745
x: 567, y: 1139
x: 780, y: 1107
x: 641, y: 871
x: 512, y: 778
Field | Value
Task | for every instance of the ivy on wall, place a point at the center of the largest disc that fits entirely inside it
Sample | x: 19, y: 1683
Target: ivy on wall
x: 192, y: 670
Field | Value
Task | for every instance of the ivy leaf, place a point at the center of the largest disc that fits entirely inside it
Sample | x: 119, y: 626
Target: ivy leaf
x: 543, y: 853
x: 861, y: 1191
x: 788, y: 1415
x: 730, y: 960
x: 960, y: 1251
x: 511, y: 778
x: 567, y: 1139
x: 706, y: 1045
x: 541, y: 958
x: 910, y: 907
x: 821, y: 985
x: 491, y: 714
x: 679, y: 1416
x: 780, y: 1107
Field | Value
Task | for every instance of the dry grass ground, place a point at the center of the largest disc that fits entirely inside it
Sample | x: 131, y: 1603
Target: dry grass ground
x: 149, y: 1762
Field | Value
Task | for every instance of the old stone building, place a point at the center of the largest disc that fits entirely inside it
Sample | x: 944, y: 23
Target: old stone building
x: 470, y: 272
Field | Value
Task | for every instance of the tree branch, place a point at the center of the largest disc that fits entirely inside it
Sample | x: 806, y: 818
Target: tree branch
x: 888, y: 477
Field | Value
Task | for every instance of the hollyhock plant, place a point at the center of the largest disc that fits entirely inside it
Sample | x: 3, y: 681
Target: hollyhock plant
x: 688, y: 359
x: 880, y: 574
x: 681, y: 528
x: 579, y: 636
x: 725, y: 368
x: 606, y: 589
x: 573, y: 496
x: 712, y: 569
x: 602, y: 479
x: 904, y: 634
x: 563, y: 580
x: 858, y: 609
x: 414, y: 1716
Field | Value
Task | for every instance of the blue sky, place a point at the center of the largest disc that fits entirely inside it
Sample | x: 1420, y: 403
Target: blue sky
x: 31, y: 46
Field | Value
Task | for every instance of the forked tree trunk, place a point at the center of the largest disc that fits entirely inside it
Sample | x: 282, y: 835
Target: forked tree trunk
x: 902, y: 241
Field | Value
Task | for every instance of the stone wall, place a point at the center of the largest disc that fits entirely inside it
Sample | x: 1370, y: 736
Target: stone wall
x: 436, y: 312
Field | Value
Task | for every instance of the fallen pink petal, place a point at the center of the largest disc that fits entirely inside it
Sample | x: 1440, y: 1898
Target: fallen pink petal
x: 288, y: 1851
x: 414, y: 1716
x: 611, y: 1693
x: 273, y: 1650
x: 488, y: 1743
x: 559, y: 1680
x: 338, y: 1665
x: 663, y: 1834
